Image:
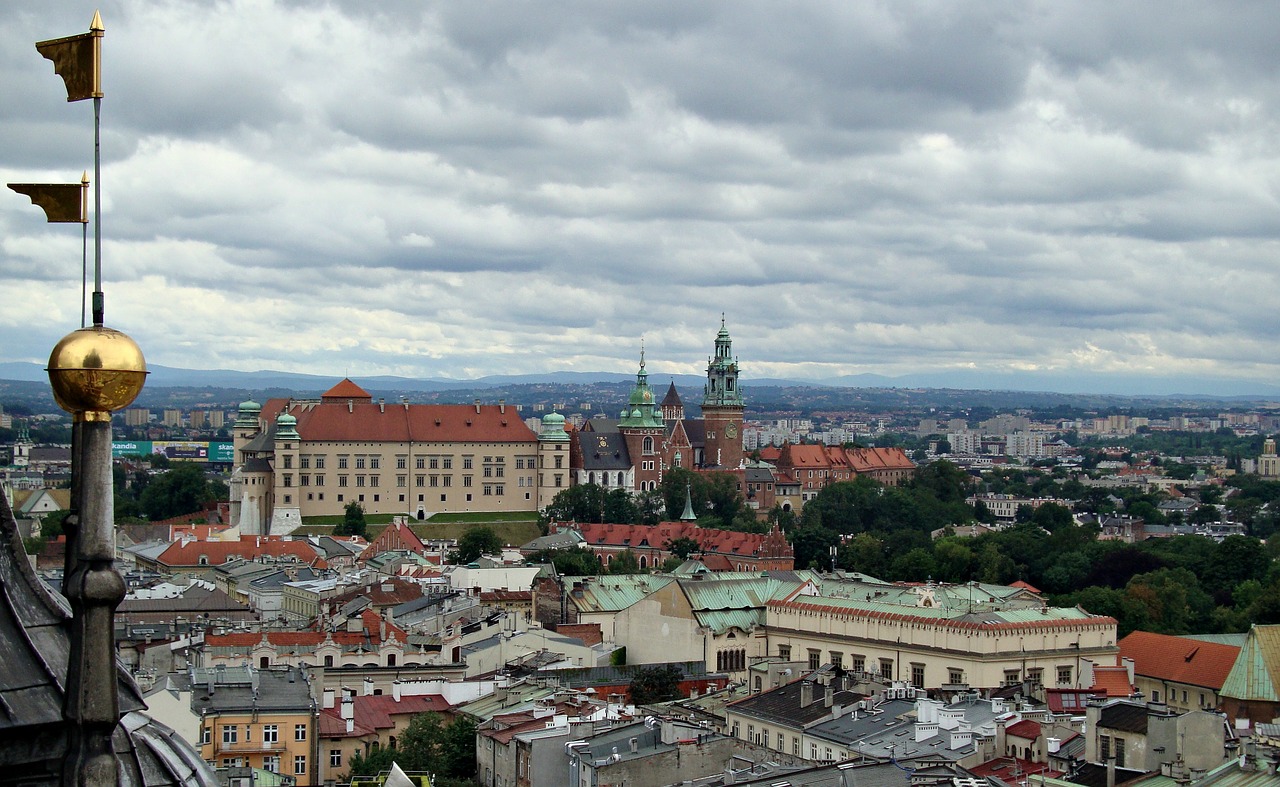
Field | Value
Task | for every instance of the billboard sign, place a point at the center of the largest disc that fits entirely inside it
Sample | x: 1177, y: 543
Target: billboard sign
x: 181, y: 450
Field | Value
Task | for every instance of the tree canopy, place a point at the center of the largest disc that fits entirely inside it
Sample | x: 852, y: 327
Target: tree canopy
x: 659, y: 683
x: 477, y: 541
x: 182, y: 489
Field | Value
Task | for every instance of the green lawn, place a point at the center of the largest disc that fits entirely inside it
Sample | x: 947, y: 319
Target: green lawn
x: 513, y: 527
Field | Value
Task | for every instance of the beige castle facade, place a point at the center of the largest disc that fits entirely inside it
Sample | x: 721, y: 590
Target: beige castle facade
x: 298, y: 459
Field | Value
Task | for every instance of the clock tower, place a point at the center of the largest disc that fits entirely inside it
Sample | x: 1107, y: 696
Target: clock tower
x: 722, y: 407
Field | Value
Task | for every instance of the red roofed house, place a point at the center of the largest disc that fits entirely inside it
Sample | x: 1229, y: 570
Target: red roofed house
x: 395, y: 537
x: 199, y: 558
x: 296, y: 458
x: 353, y: 723
x: 816, y: 466
x: 1184, y: 673
x: 366, y: 640
x: 727, y: 550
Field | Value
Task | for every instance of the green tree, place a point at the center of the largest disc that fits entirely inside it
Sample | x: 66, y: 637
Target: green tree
x: 426, y: 745
x: 1204, y: 515
x: 944, y: 480
x: 1237, y: 559
x: 477, y: 541
x: 683, y: 547
x: 574, y: 562
x: 352, y: 523
x: 183, y: 489
x: 625, y: 562
x: 954, y: 560
x: 863, y: 553
x: 579, y: 503
x: 659, y: 683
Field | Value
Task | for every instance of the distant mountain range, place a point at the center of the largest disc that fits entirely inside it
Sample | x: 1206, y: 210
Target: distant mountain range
x: 1115, y: 385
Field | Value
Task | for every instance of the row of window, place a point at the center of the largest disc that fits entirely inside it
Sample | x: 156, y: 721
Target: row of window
x: 955, y: 675
x: 271, y: 762
x: 734, y: 660
x: 270, y: 733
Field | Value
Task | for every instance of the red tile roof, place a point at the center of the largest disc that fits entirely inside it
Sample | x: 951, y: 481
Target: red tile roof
x: 1112, y: 681
x: 215, y: 553
x: 725, y: 542
x: 1179, y: 659
x: 285, y: 640
x: 333, y: 421
x: 1026, y: 728
x: 396, y: 536
x: 332, y: 725
x: 346, y: 390
x: 397, y: 592
x: 376, y: 712
x: 1013, y: 769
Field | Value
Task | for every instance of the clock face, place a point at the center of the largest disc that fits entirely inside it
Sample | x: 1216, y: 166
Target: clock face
x: 603, y: 442
x: 731, y: 431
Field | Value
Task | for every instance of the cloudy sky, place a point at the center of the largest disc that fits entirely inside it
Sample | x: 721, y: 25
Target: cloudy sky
x: 458, y: 189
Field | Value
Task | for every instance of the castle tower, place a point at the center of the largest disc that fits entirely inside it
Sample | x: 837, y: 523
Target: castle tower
x: 722, y: 406
x: 642, y: 427
x: 553, y: 459
x: 286, y: 510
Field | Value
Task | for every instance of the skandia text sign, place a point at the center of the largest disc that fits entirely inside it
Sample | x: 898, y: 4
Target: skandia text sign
x: 183, y: 450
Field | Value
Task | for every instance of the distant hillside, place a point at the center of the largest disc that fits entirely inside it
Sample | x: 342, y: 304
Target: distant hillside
x: 26, y: 384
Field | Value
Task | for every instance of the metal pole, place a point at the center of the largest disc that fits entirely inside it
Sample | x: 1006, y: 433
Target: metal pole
x: 94, y: 589
x: 99, y: 305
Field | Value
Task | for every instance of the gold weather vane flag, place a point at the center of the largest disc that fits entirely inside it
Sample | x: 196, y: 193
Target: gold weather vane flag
x: 78, y: 60
x: 63, y: 203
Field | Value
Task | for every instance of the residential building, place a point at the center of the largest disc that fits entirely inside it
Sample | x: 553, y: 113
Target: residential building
x: 1182, y: 672
x: 1147, y: 737
x: 258, y: 718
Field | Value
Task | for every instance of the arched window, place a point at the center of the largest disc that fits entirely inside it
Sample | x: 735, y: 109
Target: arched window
x: 648, y: 445
x: 644, y: 562
x: 391, y: 659
x: 620, y: 481
x: 591, y: 477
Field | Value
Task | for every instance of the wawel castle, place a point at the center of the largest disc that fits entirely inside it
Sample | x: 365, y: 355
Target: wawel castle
x: 297, y: 458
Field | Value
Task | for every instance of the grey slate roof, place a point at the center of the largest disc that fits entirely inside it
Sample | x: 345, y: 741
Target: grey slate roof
x: 782, y: 705
x: 612, y: 456
x: 248, y: 688
x: 35, y: 649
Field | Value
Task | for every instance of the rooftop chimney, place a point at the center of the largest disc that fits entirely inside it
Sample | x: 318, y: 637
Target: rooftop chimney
x: 806, y: 693
x: 477, y: 406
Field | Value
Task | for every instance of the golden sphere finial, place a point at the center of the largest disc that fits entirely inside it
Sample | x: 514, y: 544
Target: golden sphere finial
x: 96, y: 371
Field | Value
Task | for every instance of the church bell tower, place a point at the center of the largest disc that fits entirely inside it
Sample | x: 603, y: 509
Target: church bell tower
x: 722, y: 406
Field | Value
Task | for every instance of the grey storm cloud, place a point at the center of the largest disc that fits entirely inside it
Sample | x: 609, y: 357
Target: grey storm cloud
x: 458, y: 189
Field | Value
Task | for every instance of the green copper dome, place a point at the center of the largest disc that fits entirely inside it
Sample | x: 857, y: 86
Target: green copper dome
x: 641, y: 411
x: 287, y: 427
x: 247, y: 414
x: 552, y: 429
